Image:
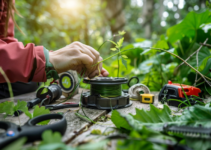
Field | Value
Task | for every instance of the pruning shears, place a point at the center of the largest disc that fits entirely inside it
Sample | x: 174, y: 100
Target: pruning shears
x: 30, y: 130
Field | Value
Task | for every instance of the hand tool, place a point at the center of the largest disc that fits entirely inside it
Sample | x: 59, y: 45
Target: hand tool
x: 187, y: 131
x: 137, y: 89
x: 30, y: 130
x: 61, y: 106
x: 146, y: 98
x: 175, y: 91
x: 53, y: 93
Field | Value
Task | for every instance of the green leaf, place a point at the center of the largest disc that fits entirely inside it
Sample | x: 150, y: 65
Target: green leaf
x: 121, y: 32
x: 154, y: 115
x: 41, y: 111
x: 45, y: 90
x: 134, y: 144
x: 48, y: 137
x: 96, y: 131
x: 27, y: 113
x: 119, y: 43
x: 124, y: 62
x: 202, y: 55
x: 161, y: 44
x: 113, y: 49
x: 53, y: 141
x: 7, y: 107
x: 205, y: 66
x: 124, y: 56
x: 188, y: 26
x: 21, y: 105
x: 93, y: 145
x: 119, y: 120
x: 196, y: 144
x: 37, y: 112
x: 112, y: 42
x: 16, y: 145
x: 140, y: 140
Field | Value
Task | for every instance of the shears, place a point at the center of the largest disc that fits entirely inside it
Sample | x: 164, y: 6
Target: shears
x: 30, y: 130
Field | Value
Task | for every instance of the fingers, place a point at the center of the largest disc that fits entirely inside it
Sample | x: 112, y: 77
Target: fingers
x: 96, y: 69
x: 104, y: 72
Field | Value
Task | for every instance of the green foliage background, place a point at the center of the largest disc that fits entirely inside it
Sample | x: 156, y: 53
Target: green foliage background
x: 46, y: 23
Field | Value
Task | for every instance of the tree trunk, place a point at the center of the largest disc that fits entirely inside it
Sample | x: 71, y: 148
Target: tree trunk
x: 115, y: 15
x: 147, y: 15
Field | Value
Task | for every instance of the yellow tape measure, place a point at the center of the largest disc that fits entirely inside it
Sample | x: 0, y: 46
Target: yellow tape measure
x: 146, y: 98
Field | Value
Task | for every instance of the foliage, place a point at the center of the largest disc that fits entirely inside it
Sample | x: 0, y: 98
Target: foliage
x: 154, y: 68
x: 156, y: 118
x: 9, y: 108
x: 118, y: 46
x: 53, y: 141
x: 16, y: 145
x: 37, y: 112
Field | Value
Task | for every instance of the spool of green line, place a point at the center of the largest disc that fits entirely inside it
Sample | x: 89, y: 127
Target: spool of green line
x: 106, y: 90
x: 105, y: 93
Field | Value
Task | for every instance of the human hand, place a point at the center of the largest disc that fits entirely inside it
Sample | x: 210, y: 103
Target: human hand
x: 79, y: 57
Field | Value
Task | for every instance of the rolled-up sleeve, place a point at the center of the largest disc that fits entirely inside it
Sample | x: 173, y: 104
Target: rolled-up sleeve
x: 22, y: 63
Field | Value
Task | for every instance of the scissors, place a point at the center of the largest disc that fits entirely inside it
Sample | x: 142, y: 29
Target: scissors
x: 30, y: 130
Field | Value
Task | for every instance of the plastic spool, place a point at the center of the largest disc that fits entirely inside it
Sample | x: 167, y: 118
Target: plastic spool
x: 96, y: 99
x: 138, y: 88
x: 67, y: 81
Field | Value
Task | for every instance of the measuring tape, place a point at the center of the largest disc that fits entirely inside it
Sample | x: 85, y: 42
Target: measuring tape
x: 142, y: 93
x: 67, y: 81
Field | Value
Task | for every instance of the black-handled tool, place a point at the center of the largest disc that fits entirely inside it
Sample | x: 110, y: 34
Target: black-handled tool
x: 53, y: 93
x: 62, y: 105
x: 30, y: 130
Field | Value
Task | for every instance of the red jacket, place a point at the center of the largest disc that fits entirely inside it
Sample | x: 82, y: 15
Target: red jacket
x: 19, y: 62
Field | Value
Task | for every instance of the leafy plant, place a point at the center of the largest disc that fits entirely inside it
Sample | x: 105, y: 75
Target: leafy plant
x: 117, y: 47
x: 53, y: 141
x: 9, y: 107
x: 156, y: 118
x: 37, y: 112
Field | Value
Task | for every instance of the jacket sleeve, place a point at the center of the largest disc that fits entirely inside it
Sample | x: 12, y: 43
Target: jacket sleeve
x: 22, y: 63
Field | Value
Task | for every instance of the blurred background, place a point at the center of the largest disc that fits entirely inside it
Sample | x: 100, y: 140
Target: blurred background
x: 175, y: 25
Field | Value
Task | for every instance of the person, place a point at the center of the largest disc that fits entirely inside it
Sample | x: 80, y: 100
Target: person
x: 26, y: 65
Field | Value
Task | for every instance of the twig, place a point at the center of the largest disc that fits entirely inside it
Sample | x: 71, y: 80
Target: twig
x: 8, y: 83
x: 205, y: 44
x: 197, y: 63
x: 193, y: 53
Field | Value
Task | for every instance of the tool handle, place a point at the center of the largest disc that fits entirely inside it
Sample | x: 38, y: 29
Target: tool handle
x: 30, y: 130
x: 33, y: 102
x: 30, y: 104
x: 34, y: 132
